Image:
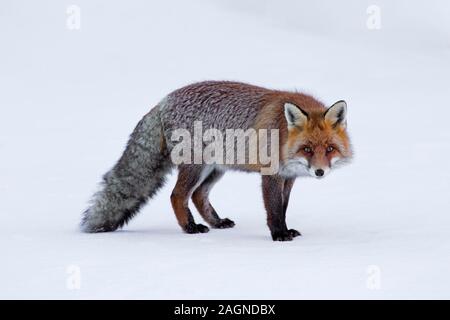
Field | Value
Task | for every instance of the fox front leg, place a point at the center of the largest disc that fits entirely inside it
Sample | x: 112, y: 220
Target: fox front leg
x: 288, y: 184
x: 274, y: 193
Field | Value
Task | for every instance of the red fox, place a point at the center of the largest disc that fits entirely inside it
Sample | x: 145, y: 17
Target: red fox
x: 311, y: 140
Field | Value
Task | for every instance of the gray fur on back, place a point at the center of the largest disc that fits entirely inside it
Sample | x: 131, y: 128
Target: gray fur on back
x: 218, y: 104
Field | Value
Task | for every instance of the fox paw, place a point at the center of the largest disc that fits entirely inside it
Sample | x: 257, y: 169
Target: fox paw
x: 294, y: 233
x: 286, y: 235
x: 196, y: 228
x: 224, y: 224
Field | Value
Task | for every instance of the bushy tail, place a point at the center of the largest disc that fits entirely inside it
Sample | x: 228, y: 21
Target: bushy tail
x: 135, y: 178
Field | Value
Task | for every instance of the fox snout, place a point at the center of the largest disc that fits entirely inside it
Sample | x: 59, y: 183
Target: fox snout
x: 319, y: 173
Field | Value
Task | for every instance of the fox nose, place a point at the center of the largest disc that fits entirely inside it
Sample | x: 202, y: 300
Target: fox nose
x: 319, y: 172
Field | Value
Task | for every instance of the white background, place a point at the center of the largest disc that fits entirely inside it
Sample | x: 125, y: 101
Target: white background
x: 70, y: 98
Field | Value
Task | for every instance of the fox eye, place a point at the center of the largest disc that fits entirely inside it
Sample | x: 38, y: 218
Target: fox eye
x: 329, y: 149
x: 307, y: 149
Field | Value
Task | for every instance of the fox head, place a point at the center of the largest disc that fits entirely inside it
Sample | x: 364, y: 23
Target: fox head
x: 317, y: 141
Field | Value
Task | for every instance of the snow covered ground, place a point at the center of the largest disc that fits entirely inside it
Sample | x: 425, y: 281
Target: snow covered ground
x: 379, y: 228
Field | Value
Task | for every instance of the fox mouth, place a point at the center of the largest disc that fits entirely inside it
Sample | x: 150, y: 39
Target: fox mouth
x: 312, y: 174
x: 319, y: 173
x: 300, y: 166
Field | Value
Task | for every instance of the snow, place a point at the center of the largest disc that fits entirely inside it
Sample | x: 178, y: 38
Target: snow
x: 379, y: 228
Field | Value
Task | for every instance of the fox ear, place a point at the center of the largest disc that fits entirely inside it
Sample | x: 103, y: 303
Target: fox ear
x: 295, y: 116
x: 337, y: 114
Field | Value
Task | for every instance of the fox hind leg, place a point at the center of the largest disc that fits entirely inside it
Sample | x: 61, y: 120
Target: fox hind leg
x: 189, y: 177
x: 204, y: 207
